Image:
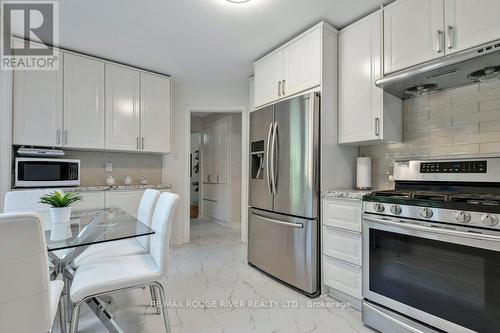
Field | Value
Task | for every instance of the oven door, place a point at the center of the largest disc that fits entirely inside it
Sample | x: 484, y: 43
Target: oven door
x: 446, y: 278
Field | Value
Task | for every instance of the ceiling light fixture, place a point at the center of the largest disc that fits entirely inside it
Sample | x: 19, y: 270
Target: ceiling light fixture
x: 237, y: 1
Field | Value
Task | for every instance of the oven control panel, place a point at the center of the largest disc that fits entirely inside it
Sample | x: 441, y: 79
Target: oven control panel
x: 454, y: 167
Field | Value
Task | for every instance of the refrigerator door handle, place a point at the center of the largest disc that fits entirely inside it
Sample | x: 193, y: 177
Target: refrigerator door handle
x: 274, y: 161
x: 269, y: 188
x: 288, y: 224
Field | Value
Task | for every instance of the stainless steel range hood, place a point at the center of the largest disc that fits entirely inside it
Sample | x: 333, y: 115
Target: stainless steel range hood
x: 477, y: 64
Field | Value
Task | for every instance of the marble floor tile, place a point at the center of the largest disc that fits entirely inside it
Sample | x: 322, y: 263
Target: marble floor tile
x: 215, y: 291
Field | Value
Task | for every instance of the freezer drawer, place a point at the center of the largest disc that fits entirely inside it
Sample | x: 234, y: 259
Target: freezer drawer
x: 285, y: 247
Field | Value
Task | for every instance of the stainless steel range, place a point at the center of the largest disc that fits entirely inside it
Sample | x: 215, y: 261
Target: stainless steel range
x: 431, y: 248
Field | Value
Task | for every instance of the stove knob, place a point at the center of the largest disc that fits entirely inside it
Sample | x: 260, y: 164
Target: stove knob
x: 426, y: 212
x: 396, y: 209
x: 378, y: 207
x: 462, y: 217
x: 489, y: 220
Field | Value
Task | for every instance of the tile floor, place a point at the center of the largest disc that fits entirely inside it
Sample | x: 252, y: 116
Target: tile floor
x: 212, y: 289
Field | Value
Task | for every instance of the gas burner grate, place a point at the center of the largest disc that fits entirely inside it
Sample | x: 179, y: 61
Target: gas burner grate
x: 477, y: 199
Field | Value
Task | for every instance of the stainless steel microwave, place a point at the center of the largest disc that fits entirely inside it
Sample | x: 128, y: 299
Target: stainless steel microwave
x: 46, y: 172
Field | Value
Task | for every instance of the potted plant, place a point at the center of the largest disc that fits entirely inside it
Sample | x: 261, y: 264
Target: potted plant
x: 60, y: 212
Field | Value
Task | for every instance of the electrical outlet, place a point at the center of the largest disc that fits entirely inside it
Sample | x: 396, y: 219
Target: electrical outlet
x: 109, y: 167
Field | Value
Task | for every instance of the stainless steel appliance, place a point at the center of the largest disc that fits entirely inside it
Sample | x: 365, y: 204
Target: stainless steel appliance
x: 477, y: 64
x: 431, y: 248
x: 283, y: 231
x: 46, y: 172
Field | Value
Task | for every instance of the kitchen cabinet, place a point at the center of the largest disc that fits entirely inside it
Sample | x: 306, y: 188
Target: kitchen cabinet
x: 83, y: 102
x: 291, y: 69
x: 302, y: 64
x: 37, y: 106
x: 90, y: 201
x: 366, y: 113
x: 342, y: 248
x: 122, y: 108
x: 416, y: 31
x: 471, y: 23
x: 127, y: 200
x: 216, y: 152
x: 413, y: 33
x: 155, y: 113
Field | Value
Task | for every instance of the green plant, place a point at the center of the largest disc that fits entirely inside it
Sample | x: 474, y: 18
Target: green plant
x: 58, y: 200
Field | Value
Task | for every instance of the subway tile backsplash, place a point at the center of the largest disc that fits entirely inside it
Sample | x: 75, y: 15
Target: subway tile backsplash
x: 135, y: 165
x: 458, y: 122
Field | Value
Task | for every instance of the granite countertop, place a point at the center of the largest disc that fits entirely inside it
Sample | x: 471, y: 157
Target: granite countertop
x: 345, y: 194
x: 116, y: 188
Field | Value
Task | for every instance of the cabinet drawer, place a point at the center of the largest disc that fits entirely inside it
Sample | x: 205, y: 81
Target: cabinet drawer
x: 343, y: 277
x: 344, y: 214
x: 342, y: 245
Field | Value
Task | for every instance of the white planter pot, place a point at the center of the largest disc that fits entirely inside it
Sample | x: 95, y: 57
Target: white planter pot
x: 61, y: 226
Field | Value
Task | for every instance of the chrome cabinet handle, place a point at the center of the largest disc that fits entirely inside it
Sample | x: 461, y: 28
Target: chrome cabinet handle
x: 268, y: 156
x: 58, y: 136
x: 208, y: 178
x: 450, y: 37
x: 279, y: 88
x: 65, y: 137
x: 283, y: 88
x: 377, y: 126
x: 439, y: 41
x: 288, y: 224
x: 274, y: 152
x: 217, y: 178
x: 137, y: 142
x: 142, y: 141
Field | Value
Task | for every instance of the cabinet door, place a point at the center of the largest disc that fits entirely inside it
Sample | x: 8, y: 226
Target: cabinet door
x: 268, y: 75
x: 155, y: 113
x: 413, y: 33
x: 122, y: 108
x: 127, y: 200
x: 37, y: 105
x: 472, y: 23
x: 223, y: 151
x: 302, y: 64
x: 207, y: 155
x: 90, y: 201
x: 83, y: 102
x: 360, y: 100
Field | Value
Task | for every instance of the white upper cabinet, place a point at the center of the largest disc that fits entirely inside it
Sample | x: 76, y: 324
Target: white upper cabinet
x: 302, y: 64
x: 155, y: 113
x: 471, y: 23
x: 122, y: 108
x: 268, y: 79
x: 293, y: 68
x: 37, y: 106
x: 366, y: 113
x: 83, y: 102
x: 413, y: 33
x: 223, y: 149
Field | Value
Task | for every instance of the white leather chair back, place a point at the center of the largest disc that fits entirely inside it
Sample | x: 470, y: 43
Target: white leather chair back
x: 162, y: 225
x: 28, y: 201
x: 145, y: 212
x: 24, y: 287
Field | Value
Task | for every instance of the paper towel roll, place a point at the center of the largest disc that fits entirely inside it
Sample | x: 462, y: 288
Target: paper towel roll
x: 364, y: 173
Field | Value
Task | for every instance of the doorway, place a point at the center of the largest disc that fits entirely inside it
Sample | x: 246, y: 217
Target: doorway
x: 216, y: 166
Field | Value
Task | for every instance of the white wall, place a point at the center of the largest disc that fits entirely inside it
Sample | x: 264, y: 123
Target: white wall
x: 185, y: 96
x: 5, y: 133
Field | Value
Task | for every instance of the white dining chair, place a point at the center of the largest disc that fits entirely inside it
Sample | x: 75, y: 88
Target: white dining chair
x: 28, y: 300
x: 139, y: 245
x: 122, y: 273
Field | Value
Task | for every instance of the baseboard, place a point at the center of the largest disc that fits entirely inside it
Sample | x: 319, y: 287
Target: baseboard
x: 176, y: 241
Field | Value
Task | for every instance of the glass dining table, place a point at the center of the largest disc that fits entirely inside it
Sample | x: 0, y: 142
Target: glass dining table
x: 90, y: 227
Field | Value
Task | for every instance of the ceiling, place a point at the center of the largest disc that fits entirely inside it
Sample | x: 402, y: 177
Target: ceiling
x: 198, y: 41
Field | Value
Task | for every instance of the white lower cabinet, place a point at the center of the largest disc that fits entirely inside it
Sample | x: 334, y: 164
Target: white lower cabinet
x: 342, y: 249
x: 90, y: 201
x: 127, y: 200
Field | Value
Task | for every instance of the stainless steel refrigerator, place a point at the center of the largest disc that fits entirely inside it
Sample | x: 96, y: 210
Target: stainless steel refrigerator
x: 283, y: 230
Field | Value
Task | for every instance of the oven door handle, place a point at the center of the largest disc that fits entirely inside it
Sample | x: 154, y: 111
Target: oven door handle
x: 470, y: 235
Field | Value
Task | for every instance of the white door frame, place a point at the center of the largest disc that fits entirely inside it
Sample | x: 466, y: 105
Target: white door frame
x: 6, y: 80
x: 244, y: 163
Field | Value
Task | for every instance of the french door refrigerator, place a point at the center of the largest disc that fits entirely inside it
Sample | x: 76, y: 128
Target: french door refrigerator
x: 283, y: 230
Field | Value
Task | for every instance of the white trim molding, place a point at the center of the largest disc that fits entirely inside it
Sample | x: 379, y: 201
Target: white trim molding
x: 244, y: 164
